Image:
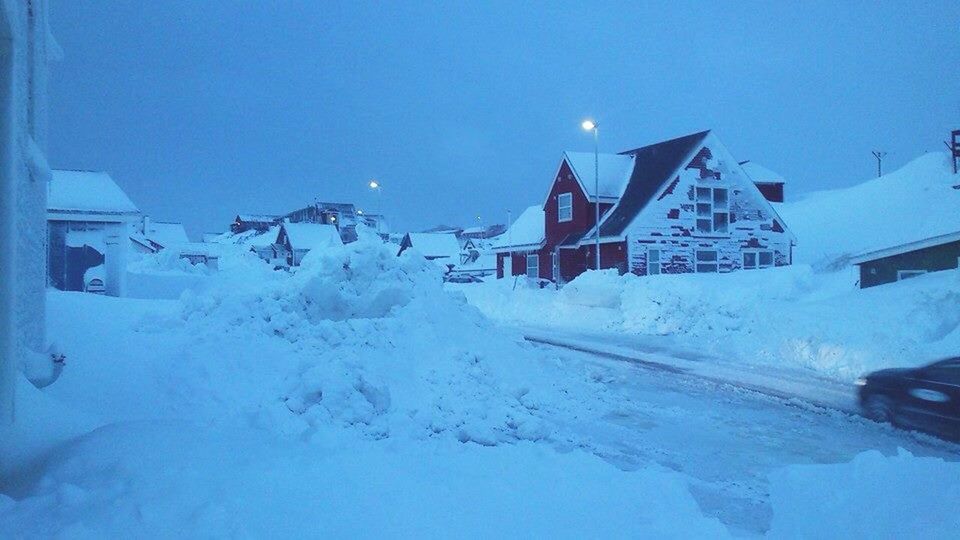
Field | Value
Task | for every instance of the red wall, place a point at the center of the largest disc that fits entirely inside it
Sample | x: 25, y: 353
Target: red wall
x: 583, y: 211
x: 574, y: 262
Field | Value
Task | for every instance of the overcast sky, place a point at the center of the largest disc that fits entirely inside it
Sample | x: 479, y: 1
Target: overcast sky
x: 201, y: 110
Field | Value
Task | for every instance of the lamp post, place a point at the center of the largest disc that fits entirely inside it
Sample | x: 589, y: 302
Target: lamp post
x: 374, y: 185
x: 590, y: 125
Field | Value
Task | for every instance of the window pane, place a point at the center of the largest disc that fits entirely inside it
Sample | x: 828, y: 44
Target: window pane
x: 720, y: 197
x: 703, y: 194
x: 654, y: 255
x: 703, y: 225
x: 533, y: 266
x: 749, y: 260
x: 706, y: 268
x: 766, y: 258
x: 703, y: 209
x: 706, y: 256
x: 720, y: 222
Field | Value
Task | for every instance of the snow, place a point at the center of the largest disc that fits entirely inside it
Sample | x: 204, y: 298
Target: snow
x: 354, y: 397
x: 167, y: 234
x: 784, y: 316
x: 87, y: 191
x: 909, y: 204
x: 526, y: 230
x: 312, y: 235
x: 436, y: 245
x: 759, y: 173
x: 875, y: 497
x: 614, y: 169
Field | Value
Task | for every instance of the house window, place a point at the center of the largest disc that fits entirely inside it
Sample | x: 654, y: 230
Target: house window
x: 713, y: 210
x: 757, y: 259
x: 653, y: 262
x: 707, y: 261
x: 533, y: 266
x: 907, y: 274
x: 564, y: 207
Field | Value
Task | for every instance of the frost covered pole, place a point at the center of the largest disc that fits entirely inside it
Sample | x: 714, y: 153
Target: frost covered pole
x: 8, y: 225
x: 879, y: 155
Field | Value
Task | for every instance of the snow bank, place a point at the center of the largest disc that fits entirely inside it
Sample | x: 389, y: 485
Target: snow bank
x: 788, y: 315
x: 873, y: 496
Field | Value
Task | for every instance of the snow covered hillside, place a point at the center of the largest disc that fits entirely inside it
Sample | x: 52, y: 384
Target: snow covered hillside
x: 914, y: 202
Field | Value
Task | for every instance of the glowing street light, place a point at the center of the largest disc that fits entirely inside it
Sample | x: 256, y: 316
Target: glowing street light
x: 374, y: 185
x: 590, y: 125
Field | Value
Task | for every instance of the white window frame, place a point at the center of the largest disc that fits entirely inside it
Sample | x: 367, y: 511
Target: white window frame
x: 907, y: 274
x: 707, y: 209
x: 561, y: 199
x: 715, y: 263
x: 536, y: 265
x: 508, y: 265
x: 651, y: 262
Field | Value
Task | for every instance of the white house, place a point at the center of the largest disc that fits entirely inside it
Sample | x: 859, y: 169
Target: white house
x: 89, y: 224
x: 516, y: 248
x: 442, y: 248
x: 26, y: 50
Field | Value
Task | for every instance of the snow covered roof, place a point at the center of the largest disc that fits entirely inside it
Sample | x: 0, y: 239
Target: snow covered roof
x: 906, y: 248
x: 87, y: 192
x: 167, y: 234
x: 262, y: 239
x: 258, y: 218
x: 614, y: 172
x: 760, y: 174
x: 653, y: 166
x: 912, y: 204
x: 312, y: 235
x: 435, y: 245
x: 525, y: 232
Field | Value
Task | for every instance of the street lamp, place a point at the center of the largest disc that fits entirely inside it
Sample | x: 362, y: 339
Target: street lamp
x: 374, y: 185
x: 590, y: 125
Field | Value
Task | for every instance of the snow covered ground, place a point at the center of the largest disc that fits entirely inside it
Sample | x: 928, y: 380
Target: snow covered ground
x: 358, y: 397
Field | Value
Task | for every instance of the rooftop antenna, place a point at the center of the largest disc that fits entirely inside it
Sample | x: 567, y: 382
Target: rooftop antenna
x: 879, y: 155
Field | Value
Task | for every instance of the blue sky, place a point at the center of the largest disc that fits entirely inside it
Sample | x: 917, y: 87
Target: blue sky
x: 201, y: 110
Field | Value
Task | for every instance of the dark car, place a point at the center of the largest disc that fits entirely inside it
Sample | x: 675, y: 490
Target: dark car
x: 925, y: 398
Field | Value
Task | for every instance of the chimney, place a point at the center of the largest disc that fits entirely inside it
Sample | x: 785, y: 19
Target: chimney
x: 146, y: 225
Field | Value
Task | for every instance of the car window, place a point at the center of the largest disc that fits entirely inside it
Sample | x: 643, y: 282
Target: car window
x: 945, y: 373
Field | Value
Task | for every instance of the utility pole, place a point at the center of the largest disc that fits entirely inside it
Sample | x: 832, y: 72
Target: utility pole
x: 879, y: 155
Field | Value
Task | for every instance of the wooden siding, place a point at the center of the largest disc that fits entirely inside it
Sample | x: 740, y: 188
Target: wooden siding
x: 583, y: 210
x: 931, y: 259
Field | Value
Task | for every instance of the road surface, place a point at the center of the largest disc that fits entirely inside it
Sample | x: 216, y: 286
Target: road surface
x: 725, y: 436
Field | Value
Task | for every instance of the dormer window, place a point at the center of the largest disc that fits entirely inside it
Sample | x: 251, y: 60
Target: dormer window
x: 564, y: 207
x: 713, y: 210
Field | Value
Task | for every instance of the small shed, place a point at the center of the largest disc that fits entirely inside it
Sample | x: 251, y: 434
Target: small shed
x: 912, y: 259
x: 298, y: 239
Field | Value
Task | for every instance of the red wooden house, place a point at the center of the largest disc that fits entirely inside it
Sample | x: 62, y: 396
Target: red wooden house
x: 683, y: 205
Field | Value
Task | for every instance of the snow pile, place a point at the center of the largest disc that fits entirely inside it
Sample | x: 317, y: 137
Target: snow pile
x: 871, y: 497
x: 915, y: 202
x: 382, y: 348
x: 781, y: 316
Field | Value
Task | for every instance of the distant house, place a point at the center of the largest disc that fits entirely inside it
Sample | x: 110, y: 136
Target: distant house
x: 341, y: 216
x: 152, y: 236
x: 768, y: 182
x: 682, y: 205
x: 376, y: 222
x: 442, y: 248
x: 480, y: 265
x: 909, y: 260
x: 89, y: 224
x: 253, y: 222
x: 298, y: 239
x: 483, y: 232
x: 518, y: 249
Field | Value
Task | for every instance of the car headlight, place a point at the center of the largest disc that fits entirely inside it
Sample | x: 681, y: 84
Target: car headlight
x: 860, y: 382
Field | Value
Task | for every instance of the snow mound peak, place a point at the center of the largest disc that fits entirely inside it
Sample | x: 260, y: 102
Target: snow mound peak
x: 914, y: 202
